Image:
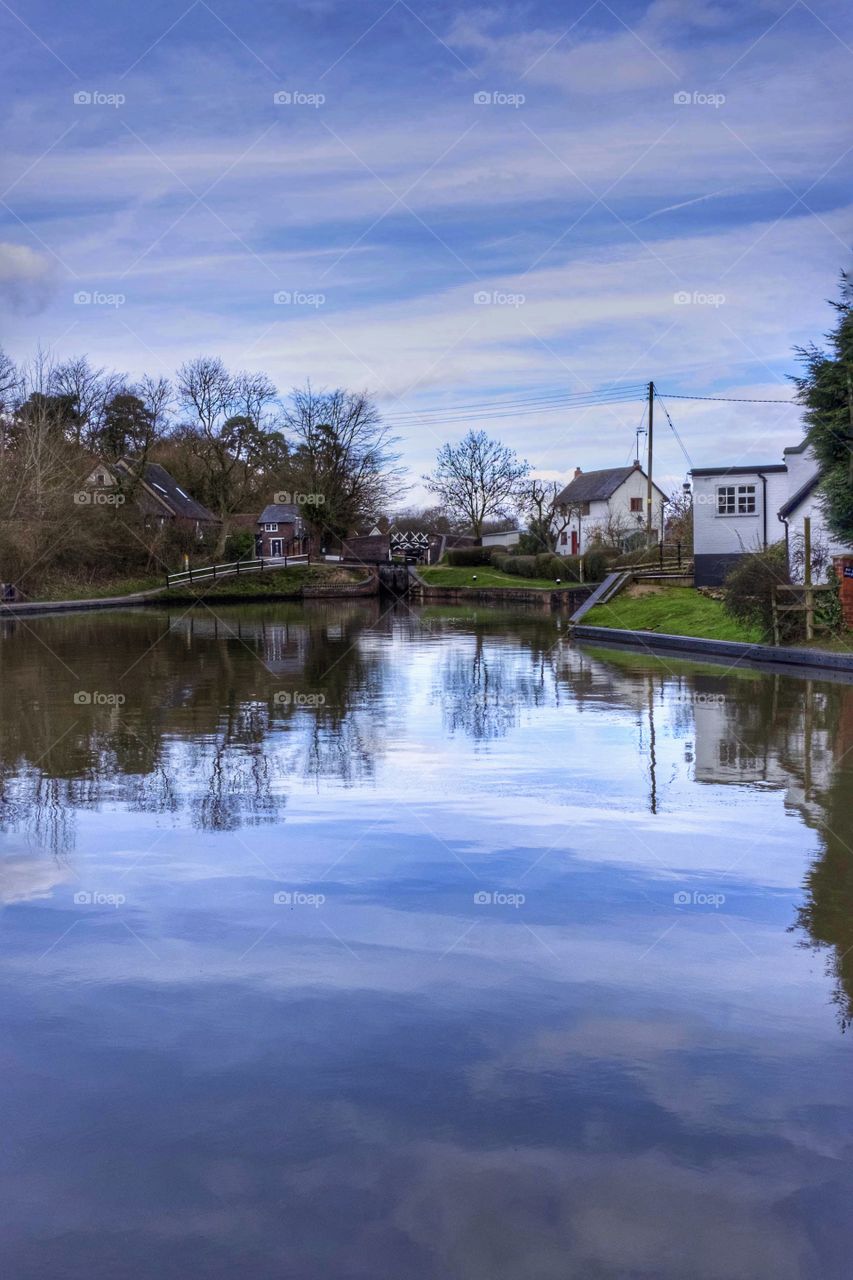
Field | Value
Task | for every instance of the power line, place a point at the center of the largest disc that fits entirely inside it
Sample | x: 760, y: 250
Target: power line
x: 674, y: 432
x: 555, y: 399
x: 730, y: 399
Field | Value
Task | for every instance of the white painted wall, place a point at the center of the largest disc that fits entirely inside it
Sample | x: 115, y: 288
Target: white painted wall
x: 508, y: 538
x: 714, y: 534
x: 615, y: 511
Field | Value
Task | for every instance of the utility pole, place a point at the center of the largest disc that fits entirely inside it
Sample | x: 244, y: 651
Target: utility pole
x: 649, y: 490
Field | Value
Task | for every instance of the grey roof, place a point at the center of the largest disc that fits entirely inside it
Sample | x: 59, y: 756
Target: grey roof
x: 597, y: 486
x: 738, y: 471
x: 167, y: 489
x: 798, y: 497
x: 797, y: 448
x: 279, y: 513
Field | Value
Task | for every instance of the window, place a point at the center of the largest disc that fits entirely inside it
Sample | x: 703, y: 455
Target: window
x: 564, y: 537
x: 736, y: 500
x: 636, y: 504
x: 270, y: 528
x: 584, y: 508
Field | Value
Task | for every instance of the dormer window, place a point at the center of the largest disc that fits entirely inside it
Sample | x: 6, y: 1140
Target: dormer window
x: 270, y: 528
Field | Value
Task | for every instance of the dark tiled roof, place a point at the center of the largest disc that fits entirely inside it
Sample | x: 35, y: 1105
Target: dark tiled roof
x: 597, y: 486
x: 167, y: 489
x: 738, y: 471
x: 279, y: 513
x: 798, y: 497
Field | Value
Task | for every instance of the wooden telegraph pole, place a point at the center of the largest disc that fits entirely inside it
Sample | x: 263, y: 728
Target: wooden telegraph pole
x: 649, y: 491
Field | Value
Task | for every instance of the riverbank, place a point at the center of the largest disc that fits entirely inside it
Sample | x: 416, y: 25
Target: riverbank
x: 679, y: 611
x: 295, y: 582
x: 482, y: 585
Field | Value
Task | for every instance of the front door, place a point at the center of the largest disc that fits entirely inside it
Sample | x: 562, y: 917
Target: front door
x: 275, y: 547
x: 574, y: 542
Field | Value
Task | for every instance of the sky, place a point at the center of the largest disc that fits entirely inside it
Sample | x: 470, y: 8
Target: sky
x: 444, y: 205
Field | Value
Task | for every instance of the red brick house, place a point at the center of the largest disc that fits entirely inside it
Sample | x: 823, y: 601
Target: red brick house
x: 281, y: 531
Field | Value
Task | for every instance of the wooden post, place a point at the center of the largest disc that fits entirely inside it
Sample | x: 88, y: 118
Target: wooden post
x: 807, y: 574
x: 775, y: 602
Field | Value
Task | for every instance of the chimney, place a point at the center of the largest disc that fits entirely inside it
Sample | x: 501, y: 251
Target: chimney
x: 577, y: 473
x: 636, y: 464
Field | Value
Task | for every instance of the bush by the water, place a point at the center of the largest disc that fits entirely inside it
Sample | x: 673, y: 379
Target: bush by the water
x: 468, y: 555
x: 595, y: 564
x: 748, y: 592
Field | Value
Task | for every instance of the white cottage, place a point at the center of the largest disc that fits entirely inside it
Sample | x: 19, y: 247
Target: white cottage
x: 737, y: 510
x: 607, y: 506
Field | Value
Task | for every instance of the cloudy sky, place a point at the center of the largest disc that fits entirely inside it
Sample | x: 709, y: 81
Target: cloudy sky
x: 446, y: 205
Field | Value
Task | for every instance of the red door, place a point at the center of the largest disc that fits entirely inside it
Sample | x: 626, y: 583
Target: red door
x: 574, y: 542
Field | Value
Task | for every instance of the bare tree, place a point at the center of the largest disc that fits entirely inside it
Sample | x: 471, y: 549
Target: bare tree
x: 547, y: 518
x: 230, y: 433
x: 343, y: 459
x: 88, y: 391
x: 477, y: 478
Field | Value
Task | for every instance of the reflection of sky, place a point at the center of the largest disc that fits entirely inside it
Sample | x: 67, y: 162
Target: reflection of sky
x: 402, y: 1081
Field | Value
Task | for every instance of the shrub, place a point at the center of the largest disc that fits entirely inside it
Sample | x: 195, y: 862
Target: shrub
x: 521, y: 566
x: 240, y: 545
x: 531, y: 544
x: 467, y: 555
x: 748, y: 592
x: 595, y: 565
x: 499, y: 558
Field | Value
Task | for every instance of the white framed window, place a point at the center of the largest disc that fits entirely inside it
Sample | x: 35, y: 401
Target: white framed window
x: 270, y: 528
x: 736, y: 500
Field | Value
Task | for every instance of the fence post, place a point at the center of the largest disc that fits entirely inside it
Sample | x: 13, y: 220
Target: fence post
x: 660, y: 555
x: 191, y: 576
x: 214, y: 570
x: 238, y: 568
x: 807, y: 574
x: 678, y: 544
x: 774, y: 594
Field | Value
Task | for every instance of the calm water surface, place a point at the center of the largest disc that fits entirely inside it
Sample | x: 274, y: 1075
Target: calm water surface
x: 422, y: 945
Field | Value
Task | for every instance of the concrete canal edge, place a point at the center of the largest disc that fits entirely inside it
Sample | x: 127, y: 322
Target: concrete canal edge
x: 570, y: 598
x: 697, y: 647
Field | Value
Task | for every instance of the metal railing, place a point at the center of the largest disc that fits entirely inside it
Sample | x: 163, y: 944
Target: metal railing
x: 211, y: 571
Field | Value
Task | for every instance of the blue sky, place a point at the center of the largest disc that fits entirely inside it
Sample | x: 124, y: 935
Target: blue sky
x: 582, y: 199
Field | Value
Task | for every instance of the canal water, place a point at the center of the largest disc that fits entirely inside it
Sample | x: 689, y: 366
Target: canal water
x: 356, y: 944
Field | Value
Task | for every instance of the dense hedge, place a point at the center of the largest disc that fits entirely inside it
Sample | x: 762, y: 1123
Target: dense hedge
x: 468, y: 555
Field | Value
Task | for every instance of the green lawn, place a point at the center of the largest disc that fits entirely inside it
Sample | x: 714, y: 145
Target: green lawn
x: 289, y: 581
x: 482, y: 575
x: 286, y: 582
x: 677, y: 611
x: 63, y: 589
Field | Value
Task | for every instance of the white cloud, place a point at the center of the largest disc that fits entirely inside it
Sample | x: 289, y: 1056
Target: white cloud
x: 27, y: 278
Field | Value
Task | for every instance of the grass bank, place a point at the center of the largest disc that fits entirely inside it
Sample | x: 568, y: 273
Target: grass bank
x: 288, y: 581
x: 482, y: 575
x: 675, y: 611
